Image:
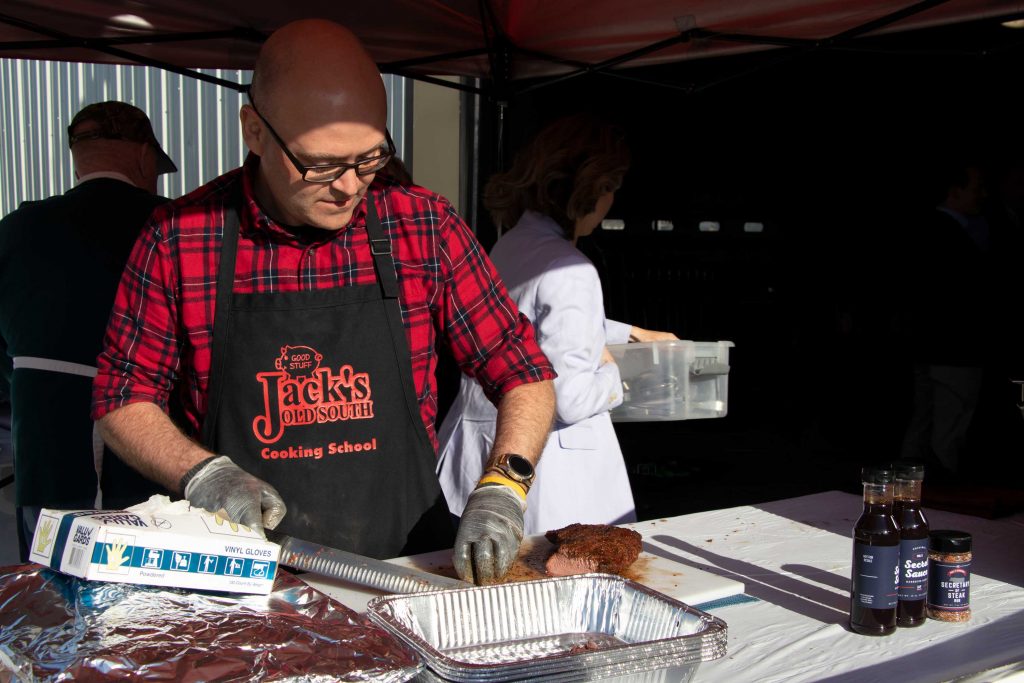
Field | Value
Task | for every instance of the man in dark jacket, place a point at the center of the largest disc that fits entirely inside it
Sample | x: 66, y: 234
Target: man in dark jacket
x: 951, y: 311
x: 60, y: 262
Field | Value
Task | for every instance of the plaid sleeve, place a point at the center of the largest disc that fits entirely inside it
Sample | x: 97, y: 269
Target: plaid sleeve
x: 139, y: 358
x: 488, y: 336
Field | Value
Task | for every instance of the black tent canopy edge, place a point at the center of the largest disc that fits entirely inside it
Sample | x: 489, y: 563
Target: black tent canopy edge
x: 499, y: 49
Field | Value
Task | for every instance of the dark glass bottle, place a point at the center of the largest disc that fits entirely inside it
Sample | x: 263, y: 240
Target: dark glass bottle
x: 913, y: 589
x: 876, y: 557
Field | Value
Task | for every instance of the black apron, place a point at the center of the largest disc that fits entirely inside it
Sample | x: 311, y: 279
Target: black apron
x: 312, y: 392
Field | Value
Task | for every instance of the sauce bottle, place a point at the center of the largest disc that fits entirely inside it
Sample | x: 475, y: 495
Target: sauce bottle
x: 876, y: 557
x: 913, y: 586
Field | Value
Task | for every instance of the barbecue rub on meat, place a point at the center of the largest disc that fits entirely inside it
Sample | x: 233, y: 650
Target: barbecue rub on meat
x: 585, y: 548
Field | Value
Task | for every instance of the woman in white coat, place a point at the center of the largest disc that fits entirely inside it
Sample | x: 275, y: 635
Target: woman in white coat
x: 559, y: 189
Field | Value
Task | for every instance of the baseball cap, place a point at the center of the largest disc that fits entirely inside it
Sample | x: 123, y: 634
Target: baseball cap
x: 118, y: 121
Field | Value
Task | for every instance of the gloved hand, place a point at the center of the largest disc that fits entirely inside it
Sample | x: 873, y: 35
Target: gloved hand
x: 489, y: 534
x: 223, y: 485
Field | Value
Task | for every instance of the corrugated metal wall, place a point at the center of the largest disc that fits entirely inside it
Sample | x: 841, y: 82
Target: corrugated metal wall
x: 197, y: 122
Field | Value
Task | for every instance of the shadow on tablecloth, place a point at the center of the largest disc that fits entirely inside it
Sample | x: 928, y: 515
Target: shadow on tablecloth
x: 788, y: 592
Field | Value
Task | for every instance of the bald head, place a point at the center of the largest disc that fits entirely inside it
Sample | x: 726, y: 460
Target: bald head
x: 321, y: 103
x: 316, y: 71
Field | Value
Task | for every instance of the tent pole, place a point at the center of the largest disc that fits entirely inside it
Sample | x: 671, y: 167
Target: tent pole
x: 493, y: 118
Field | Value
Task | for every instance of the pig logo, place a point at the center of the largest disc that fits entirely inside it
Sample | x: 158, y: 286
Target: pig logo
x: 298, y: 362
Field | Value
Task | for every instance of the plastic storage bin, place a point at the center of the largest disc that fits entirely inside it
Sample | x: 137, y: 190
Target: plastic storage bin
x: 672, y: 380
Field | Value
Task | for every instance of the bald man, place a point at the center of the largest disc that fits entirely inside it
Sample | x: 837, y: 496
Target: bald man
x: 60, y: 263
x: 290, y: 311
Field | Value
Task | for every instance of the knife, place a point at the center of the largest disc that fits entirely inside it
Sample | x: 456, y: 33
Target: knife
x: 359, y: 569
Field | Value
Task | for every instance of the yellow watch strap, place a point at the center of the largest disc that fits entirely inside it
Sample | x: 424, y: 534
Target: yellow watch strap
x: 504, y: 481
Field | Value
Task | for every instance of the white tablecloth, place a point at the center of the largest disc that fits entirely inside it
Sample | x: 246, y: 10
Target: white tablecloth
x: 794, y: 556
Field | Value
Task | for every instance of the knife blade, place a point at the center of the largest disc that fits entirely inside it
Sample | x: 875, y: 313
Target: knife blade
x: 359, y: 569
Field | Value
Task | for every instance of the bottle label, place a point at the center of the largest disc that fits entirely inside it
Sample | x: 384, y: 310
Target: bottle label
x: 876, y: 573
x: 914, y: 569
x: 949, y: 585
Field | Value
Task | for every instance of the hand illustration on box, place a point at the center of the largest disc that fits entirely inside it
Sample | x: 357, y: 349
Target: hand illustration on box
x: 45, y: 536
x: 115, y: 555
x: 221, y: 518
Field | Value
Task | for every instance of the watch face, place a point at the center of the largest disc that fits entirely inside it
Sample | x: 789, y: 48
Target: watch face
x: 520, y: 465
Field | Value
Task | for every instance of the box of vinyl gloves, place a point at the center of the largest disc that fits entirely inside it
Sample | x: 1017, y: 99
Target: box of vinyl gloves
x: 158, y: 543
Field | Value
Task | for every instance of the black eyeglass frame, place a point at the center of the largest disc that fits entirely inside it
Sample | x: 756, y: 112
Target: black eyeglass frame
x: 342, y: 166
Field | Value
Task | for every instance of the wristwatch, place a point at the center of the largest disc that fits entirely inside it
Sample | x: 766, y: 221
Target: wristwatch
x: 515, y: 467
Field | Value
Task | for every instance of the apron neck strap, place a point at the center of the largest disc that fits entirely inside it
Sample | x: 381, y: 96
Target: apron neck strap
x: 380, y: 247
x: 225, y: 286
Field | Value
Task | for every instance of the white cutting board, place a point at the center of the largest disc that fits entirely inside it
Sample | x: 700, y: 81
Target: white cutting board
x: 682, y: 582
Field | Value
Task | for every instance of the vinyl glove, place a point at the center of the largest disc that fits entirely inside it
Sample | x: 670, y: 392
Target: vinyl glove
x: 489, y: 535
x: 223, y: 485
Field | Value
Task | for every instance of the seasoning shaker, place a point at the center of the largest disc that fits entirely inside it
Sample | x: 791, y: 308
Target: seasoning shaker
x: 949, y: 575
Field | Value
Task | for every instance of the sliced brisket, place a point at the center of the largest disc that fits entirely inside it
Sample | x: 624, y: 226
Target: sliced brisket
x: 585, y: 548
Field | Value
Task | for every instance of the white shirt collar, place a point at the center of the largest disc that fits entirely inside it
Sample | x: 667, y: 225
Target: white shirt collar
x: 539, y: 221
x: 105, y: 174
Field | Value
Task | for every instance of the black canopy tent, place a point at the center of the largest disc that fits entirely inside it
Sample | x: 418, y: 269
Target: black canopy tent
x: 501, y: 42
x: 501, y: 48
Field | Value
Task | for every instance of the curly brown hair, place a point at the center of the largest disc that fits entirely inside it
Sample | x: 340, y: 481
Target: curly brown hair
x: 561, y: 173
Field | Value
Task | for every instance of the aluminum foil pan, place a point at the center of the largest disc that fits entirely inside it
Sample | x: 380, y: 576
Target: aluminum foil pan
x: 58, y: 628
x: 683, y: 673
x: 560, y: 629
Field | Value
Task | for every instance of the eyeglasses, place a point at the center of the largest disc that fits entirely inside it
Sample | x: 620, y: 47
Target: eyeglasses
x: 328, y: 173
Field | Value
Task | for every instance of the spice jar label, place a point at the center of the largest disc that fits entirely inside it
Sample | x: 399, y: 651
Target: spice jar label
x: 913, y: 569
x: 875, y: 575
x: 949, y: 586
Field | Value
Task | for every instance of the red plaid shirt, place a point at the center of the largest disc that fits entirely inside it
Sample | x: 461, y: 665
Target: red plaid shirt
x: 160, y: 334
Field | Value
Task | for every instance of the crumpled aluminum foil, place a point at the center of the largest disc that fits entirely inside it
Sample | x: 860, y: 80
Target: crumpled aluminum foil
x: 59, y: 628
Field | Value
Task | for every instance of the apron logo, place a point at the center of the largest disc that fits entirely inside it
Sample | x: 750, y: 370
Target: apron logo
x: 303, y: 393
x: 298, y: 361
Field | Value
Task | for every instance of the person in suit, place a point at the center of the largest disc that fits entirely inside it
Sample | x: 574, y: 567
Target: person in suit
x: 557, y: 191
x: 60, y: 263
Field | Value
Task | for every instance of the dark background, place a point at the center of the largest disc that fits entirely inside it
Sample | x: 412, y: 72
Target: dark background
x: 834, y: 151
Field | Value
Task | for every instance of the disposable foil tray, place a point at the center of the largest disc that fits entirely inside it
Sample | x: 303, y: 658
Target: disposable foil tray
x: 574, y: 628
x: 674, y: 674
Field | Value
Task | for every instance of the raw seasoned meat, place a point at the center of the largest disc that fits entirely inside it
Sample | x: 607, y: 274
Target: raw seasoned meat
x: 585, y: 548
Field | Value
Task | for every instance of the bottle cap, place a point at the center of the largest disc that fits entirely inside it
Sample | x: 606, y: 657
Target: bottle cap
x: 909, y: 469
x: 950, y: 541
x: 877, y: 474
